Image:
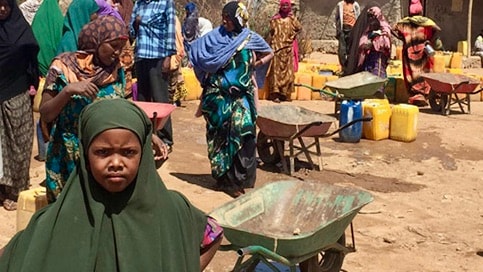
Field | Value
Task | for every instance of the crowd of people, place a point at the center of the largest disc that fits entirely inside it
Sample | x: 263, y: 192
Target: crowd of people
x: 365, y: 44
x: 101, y: 176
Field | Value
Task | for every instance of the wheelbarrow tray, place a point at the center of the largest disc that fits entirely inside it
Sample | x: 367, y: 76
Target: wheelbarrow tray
x: 284, y: 121
x: 450, y: 83
x: 357, y: 86
x: 157, y: 112
x: 291, y: 218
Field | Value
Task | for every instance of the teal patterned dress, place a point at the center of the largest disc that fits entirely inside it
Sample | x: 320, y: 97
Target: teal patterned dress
x: 228, y: 107
x: 63, y: 149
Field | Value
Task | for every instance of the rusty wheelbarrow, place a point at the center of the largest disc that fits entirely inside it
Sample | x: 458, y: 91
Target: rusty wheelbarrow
x: 291, y: 222
x: 450, y: 89
x: 280, y: 123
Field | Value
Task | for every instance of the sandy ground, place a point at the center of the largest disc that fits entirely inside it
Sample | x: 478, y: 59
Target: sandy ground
x: 427, y: 212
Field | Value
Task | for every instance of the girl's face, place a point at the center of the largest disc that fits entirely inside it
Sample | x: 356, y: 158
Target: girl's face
x: 5, y: 10
x: 228, y: 23
x: 109, y: 52
x: 113, y: 159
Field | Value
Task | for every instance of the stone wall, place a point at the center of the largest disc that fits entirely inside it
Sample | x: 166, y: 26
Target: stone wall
x: 452, y: 17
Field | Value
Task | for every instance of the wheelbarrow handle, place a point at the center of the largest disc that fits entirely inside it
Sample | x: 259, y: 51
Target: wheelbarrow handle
x: 318, y: 123
x: 329, y: 93
x: 363, y: 119
x: 304, y: 129
x: 252, y: 250
x: 475, y: 92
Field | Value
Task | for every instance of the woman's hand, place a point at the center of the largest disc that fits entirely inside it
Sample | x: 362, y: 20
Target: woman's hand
x: 83, y: 88
x: 160, y: 149
x: 166, y: 64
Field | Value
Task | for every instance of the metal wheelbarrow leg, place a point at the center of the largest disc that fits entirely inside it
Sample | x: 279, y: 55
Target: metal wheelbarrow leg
x: 306, y: 149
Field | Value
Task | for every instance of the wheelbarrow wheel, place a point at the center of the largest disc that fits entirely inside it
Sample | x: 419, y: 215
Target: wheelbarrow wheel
x: 331, y: 260
x: 267, y: 149
x: 437, y: 101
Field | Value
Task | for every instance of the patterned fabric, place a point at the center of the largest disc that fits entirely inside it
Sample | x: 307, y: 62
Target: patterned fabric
x: 63, y: 149
x: 370, y: 43
x: 229, y: 109
x: 16, y: 133
x: 155, y: 38
x: 415, y: 32
x: 177, y: 89
x: 18, y: 71
x: 283, y: 32
x: 212, y: 232
x: 103, y: 29
x: 214, y: 50
x: 127, y: 63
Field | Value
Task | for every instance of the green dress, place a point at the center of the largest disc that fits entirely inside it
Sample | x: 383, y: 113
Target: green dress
x: 228, y: 106
x: 63, y: 149
x: 143, y: 228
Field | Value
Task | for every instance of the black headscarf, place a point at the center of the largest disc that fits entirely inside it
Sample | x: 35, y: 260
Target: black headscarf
x: 357, y: 31
x: 18, y: 55
x: 237, y: 14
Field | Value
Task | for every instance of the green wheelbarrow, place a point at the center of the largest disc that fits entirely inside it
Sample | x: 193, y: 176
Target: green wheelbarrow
x: 358, y: 86
x: 294, y: 223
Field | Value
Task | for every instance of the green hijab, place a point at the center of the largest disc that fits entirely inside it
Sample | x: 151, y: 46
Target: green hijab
x: 78, y: 14
x: 47, y: 28
x: 144, y: 228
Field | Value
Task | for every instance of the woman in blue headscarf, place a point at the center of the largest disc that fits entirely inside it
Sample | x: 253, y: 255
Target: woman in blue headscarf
x: 225, y: 61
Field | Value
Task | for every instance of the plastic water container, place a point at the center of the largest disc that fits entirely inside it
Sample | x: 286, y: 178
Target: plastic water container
x: 304, y: 93
x: 350, y: 110
x: 378, y: 128
x: 192, y: 84
x: 28, y: 203
x: 404, y: 122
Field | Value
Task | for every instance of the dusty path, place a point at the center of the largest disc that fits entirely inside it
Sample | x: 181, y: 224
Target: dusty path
x: 427, y: 212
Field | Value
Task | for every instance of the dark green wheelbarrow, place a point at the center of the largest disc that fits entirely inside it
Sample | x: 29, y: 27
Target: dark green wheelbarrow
x: 292, y: 222
x: 358, y: 86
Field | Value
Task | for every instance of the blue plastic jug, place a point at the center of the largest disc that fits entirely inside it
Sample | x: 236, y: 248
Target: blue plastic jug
x: 350, y: 110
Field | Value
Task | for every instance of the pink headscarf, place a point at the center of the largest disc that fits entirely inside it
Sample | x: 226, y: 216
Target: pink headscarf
x: 415, y: 8
x: 284, y: 10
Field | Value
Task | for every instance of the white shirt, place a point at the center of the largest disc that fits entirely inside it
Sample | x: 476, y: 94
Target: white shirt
x: 204, y: 26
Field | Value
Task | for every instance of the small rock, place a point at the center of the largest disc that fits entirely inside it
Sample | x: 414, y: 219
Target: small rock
x: 296, y: 231
x: 389, y: 240
x: 420, y: 173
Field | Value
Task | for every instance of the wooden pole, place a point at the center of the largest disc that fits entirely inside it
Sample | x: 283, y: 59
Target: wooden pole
x: 470, y: 14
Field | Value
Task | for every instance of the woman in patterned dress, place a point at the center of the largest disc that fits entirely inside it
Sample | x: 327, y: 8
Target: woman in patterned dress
x: 370, y: 44
x: 18, y: 71
x: 224, y: 61
x: 74, y: 80
x: 284, y: 27
x: 415, y: 31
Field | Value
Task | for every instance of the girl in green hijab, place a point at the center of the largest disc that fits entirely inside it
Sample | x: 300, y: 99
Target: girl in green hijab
x: 115, y: 213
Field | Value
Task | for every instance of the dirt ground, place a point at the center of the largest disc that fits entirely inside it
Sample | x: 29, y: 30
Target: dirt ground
x: 427, y: 212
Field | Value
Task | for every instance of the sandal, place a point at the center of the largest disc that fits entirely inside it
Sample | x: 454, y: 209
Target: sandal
x: 9, y: 205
